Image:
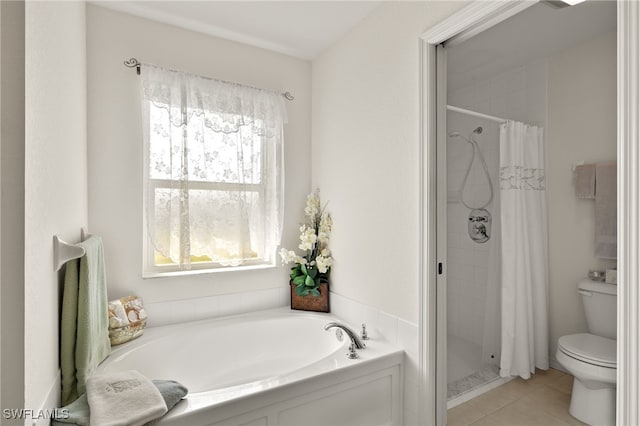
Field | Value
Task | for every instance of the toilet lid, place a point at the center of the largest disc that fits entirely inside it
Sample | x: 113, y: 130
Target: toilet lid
x: 589, y: 348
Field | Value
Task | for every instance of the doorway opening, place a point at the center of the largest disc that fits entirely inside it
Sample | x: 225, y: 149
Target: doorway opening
x: 437, y: 265
x: 553, y: 70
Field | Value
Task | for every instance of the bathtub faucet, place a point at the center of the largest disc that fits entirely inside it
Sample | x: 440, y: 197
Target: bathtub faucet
x: 355, y: 339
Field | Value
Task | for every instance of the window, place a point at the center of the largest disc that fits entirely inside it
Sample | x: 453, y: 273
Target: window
x: 213, y: 173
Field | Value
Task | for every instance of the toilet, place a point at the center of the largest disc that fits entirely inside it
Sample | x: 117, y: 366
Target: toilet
x: 591, y: 357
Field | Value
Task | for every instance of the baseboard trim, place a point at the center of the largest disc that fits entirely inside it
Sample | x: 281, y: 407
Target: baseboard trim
x: 51, y: 401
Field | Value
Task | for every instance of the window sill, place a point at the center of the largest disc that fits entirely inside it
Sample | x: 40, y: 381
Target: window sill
x: 156, y: 274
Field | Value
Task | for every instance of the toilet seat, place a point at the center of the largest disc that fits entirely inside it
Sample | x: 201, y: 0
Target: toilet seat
x: 589, y: 348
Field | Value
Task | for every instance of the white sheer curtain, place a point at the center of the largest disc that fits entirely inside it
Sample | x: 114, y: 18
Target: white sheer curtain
x: 523, y: 215
x: 213, y: 170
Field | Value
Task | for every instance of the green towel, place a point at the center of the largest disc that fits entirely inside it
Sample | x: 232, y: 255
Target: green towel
x: 84, y: 326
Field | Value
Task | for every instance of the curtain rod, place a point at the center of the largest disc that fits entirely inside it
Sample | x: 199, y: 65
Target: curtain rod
x: 476, y: 114
x: 133, y: 62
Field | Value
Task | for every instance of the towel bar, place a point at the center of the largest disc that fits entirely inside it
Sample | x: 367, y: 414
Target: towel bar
x: 64, y: 252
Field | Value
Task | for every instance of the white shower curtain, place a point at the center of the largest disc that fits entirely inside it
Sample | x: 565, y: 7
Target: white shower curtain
x: 523, y: 213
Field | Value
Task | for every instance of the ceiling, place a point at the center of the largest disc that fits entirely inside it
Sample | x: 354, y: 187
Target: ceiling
x: 298, y: 28
x: 538, y: 32
x: 305, y: 28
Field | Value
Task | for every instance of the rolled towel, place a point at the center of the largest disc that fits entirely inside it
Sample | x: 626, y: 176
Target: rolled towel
x: 77, y: 413
x: 123, y: 398
x: 127, y: 319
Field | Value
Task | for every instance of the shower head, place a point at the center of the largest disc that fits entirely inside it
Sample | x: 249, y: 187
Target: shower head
x: 476, y: 131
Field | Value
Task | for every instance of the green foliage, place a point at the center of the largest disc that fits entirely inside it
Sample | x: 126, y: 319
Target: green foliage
x: 301, y: 290
x: 300, y: 280
x: 309, y: 282
x: 307, y: 279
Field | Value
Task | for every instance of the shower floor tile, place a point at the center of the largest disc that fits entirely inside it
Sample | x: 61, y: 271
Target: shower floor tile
x: 472, y: 381
x: 541, y: 401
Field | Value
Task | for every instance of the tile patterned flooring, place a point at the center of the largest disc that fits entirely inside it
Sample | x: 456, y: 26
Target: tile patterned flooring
x: 542, y: 400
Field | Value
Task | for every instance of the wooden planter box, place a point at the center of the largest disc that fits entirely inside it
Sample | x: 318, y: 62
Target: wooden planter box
x: 311, y: 302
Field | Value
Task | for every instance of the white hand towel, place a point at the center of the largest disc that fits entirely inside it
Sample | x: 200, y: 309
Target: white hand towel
x: 123, y: 398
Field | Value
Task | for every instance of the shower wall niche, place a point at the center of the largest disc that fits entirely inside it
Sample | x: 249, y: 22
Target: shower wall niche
x: 473, y: 291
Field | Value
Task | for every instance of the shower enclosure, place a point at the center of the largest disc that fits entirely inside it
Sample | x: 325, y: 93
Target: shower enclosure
x: 473, y: 311
x: 473, y: 215
x: 473, y: 281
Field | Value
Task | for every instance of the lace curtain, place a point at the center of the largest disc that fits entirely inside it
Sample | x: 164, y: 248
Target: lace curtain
x: 213, y: 171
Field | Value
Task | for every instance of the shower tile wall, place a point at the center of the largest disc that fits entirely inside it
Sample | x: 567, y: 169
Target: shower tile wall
x: 518, y: 94
x: 468, y: 260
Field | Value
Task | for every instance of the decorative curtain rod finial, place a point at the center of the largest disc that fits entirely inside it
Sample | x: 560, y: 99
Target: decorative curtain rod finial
x: 133, y: 62
x: 288, y: 96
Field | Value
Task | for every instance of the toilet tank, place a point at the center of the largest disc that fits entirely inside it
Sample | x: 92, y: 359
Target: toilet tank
x: 599, y: 300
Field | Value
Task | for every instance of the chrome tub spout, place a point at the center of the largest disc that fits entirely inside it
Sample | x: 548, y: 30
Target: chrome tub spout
x: 355, y: 339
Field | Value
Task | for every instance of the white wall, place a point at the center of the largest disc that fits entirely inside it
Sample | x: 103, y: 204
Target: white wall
x: 581, y: 127
x: 366, y: 164
x: 12, y: 200
x: 55, y: 176
x: 365, y: 153
x: 115, y: 143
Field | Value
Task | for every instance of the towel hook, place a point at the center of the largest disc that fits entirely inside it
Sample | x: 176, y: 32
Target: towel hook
x: 64, y: 252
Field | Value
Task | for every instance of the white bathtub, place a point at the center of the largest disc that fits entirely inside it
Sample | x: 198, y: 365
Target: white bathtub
x: 274, y: 367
